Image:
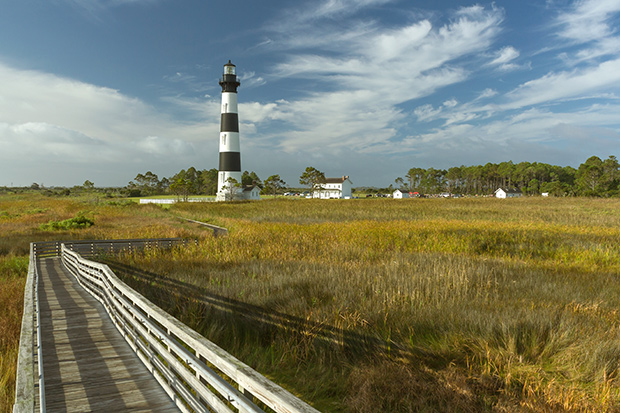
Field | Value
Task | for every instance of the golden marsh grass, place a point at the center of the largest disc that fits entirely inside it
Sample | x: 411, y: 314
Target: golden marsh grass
x: 384, y: 305
x: 484, y: 304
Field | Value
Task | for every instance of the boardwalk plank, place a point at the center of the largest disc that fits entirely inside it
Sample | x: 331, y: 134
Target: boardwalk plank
x: 88, y: 365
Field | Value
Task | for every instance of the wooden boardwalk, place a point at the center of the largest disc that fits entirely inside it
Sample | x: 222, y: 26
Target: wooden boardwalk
x: 88, y: 365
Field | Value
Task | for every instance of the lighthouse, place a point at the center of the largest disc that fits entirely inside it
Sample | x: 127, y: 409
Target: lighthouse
x: 230, y: 155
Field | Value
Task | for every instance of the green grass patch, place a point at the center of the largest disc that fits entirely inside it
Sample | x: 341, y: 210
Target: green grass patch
x: 77, y: 222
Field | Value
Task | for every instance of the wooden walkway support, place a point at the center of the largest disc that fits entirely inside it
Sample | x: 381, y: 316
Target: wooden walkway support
x: 88, y: 365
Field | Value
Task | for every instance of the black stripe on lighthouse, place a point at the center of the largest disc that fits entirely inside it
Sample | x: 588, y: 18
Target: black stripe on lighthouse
x: 230, y: 161
x: 229, y: 122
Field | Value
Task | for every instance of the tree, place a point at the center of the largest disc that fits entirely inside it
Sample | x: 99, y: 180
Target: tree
x: 400, y: 184
x: 88, y: 185
x: 415, y: 176
x: 590, y: 177
x: 250, y: 178
x: 164, y: 184
x: 181, y: 185
x: 454, y: 178
x: 611, y: 174
x: 209, y: 181
x: 231, y: 188
x: 313, y: 178
x: 148, y: 183
x: 274, y: 184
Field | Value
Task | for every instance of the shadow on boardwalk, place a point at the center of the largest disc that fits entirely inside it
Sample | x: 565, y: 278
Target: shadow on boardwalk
x: 352, y: 343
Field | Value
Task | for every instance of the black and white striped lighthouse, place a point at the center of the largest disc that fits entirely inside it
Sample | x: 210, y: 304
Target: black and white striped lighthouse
x: 230, y: 155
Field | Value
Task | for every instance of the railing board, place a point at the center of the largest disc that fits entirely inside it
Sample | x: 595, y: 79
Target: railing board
x: 25, y: 380
x: 85, y: 366
x: 268, y: 392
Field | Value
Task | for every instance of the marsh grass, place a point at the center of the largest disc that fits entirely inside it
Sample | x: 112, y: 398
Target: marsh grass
x: 379, y: 305
x: 12, y: 280
x: 441, y: 305
x: 21, y: 221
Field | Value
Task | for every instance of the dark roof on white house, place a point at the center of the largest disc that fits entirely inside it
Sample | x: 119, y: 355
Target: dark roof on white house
x: 336, y: 180
x: 248, y: 188
x: 510, y: 191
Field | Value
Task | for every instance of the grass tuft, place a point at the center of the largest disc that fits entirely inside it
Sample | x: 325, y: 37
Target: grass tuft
x: 72, y: 223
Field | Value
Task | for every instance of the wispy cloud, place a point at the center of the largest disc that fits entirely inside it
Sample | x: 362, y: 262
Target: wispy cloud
x: 503, y: 59
x: 588, y: 20
x: 376, y: 69
x: 323, y: 10
x: 589, y: 23
x: 567, y: 84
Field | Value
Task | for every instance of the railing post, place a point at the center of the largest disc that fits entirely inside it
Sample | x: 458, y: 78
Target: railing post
x: 247, y: 394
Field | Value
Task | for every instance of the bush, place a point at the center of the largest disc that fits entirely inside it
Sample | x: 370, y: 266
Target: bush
x: 73, y: 223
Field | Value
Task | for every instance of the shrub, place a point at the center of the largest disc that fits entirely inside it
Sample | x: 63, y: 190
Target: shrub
x: 73, y: 223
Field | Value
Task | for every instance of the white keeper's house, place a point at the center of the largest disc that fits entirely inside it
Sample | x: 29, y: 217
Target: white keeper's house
x: 335, y: 188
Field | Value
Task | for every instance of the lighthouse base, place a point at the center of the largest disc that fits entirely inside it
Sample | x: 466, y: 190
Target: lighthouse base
x: 226, y: 195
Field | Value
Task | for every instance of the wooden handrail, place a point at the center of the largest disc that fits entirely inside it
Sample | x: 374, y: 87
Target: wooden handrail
x: 24, y: 382
x: 93, y: 247
x: 183, y: 361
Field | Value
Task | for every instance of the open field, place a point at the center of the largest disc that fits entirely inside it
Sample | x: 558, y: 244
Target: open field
x: 380, y: 305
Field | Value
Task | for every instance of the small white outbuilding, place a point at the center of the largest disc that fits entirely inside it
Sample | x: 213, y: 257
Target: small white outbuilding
x: 251, y: 192
x: 507, y: 193
x: 398, y: 194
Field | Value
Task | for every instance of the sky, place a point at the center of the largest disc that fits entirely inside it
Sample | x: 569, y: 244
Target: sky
x: 103, y: 90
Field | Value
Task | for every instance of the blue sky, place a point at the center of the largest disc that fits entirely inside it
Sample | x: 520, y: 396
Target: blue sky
x: 104, y: 90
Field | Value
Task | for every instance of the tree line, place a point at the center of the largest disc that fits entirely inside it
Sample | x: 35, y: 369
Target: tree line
x: 594, y: 177
x: 196, y: 182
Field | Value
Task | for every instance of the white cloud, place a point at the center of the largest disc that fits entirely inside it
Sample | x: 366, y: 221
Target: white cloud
x: 588, y: 20
x: 487, y: 93
x: 426, y: 112
x: 50, y: 120
x: 374, y: 71
x: 589, y: 23
x: 322, y: 10
x: 556, y: 86
x: 503, y: 59
x: 529, y: 135
x: 154, y: 145
x: 505, y: 55
x: 249, y: 79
